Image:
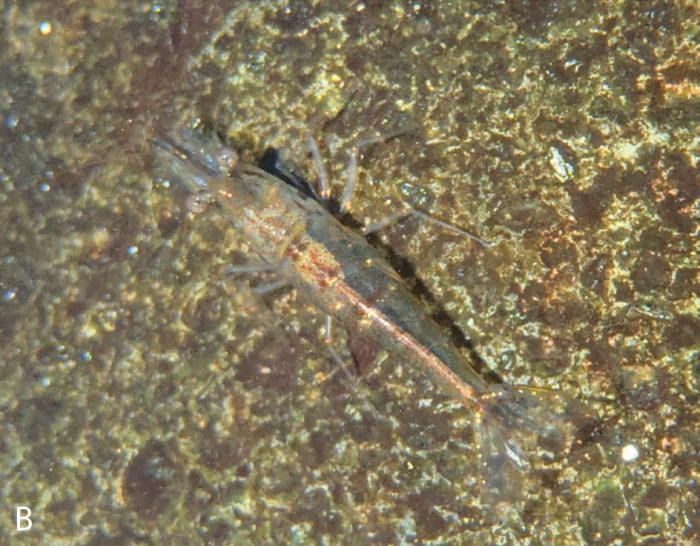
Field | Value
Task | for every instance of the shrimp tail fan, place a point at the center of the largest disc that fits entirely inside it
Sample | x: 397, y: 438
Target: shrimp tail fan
x: 522, y: 430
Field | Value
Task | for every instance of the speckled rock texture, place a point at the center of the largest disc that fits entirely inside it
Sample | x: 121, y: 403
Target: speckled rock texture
x: 148, y: 396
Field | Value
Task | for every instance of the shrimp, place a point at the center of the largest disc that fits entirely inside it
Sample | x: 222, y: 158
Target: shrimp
x: 337, y: 270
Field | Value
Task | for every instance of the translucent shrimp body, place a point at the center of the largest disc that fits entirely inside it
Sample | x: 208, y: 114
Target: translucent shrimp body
x: 344, y: 276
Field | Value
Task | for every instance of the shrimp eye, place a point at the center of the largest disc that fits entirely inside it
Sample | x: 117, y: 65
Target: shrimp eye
x: 226, y: 160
